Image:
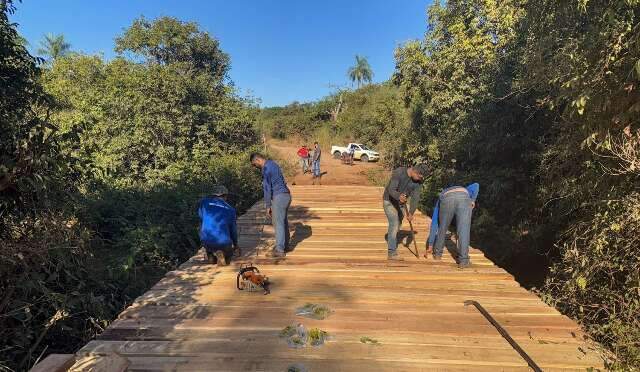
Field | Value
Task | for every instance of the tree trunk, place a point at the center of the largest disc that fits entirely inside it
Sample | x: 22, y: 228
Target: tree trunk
x: 336, y: 110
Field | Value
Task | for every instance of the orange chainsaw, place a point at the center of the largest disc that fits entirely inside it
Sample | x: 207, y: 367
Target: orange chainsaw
x: 250, y: 279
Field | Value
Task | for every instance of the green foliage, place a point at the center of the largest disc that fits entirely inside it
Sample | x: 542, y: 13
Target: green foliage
x: 361, y: 71
x: 28, y: 152
x: 167, y: 40
x: 314, y: 311
x: 100, y: 175
x: 597, y: 278
x: 317, y: 336
x: 146, y: 124
x: 294, y: 120
x: 369, y: 340
x: 54, y: 46
x: 374, y: 114
x: 536, y: 100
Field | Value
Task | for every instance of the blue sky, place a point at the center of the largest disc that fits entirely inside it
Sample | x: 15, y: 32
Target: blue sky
x: 281, y: 51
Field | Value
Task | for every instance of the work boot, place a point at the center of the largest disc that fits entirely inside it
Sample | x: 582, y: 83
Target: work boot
x: 463, y: 266
x: 222, y: 261
x: 394, y: 257
x: 437, y: 258
x: 276, y: 254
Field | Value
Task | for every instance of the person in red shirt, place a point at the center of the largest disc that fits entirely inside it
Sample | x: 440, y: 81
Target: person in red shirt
x: 303, y: 153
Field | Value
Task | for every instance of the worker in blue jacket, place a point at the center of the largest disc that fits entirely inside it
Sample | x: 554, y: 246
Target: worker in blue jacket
x: 218, y: 229
x: 458, y: 202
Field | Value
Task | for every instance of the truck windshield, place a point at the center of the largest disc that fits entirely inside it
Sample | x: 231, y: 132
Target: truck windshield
x: 364, y: 147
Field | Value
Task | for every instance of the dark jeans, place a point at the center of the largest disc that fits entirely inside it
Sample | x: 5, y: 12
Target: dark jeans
x: 212, y: 248
x: 279, y: 209
x: 458, y: 205
x: 394, y: 218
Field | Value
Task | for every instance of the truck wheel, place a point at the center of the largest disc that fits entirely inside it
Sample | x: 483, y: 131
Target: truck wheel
x: 336, y: 155
x: 364, y: 159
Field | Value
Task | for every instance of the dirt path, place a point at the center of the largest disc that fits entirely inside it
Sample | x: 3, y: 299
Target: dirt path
x: 334, y: 172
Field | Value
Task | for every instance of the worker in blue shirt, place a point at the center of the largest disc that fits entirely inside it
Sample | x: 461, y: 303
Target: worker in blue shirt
x: 458, y: 202
x: 277, y: 199
x: 218, y: 230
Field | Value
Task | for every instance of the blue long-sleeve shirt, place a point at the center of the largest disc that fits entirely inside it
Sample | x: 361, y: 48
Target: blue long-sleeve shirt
x: 218, y: 225
x: 273, y: 182
x: 473, y: 190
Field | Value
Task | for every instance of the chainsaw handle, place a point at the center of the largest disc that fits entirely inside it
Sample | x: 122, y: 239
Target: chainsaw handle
x: 244, y: 270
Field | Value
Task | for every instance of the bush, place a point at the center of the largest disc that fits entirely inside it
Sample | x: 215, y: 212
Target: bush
x: 100, y: 200
x: 596, y: 279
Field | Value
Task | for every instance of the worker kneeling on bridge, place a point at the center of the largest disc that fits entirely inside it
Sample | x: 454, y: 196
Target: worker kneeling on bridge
x: 218, y: 229
x: 404, y: 186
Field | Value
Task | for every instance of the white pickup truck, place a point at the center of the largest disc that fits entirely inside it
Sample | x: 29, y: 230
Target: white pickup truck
x: 361, y: 152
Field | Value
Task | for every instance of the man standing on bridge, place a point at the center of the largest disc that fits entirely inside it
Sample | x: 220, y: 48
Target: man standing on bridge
x: 218, y: 230
x: 404, y: 186
x: 315, y: 167
x: 277, y: 199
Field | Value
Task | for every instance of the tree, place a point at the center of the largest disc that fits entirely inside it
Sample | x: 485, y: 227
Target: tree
x: 537, y: 101
x: 361, y: 71
x: 54, y: 46
x: 168, y: 40
x: 178, y: 108
x: 86, y: 140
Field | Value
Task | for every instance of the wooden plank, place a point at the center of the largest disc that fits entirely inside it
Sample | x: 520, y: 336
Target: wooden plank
x: 455, y: 353
x: 399, y: 336
x: 110, y: 362
x: 54, y: 363
x: 266, y: 363
x: 195, y: 319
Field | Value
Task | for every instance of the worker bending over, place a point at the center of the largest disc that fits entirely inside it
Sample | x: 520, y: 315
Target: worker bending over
x: 277, y: 199
x: 458, y: 202
x: 404, y: 186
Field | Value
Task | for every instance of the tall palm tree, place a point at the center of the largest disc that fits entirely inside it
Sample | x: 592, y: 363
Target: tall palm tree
x: 361, y: 71
x: 54, y: 46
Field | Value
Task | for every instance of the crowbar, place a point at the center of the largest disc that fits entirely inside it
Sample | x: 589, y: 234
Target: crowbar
x: 413, y: 235
x: 504, y: 334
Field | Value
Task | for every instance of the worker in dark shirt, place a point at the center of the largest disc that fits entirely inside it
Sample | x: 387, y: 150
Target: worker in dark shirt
x: 218, y: 230
x: 404, y: 187
x: 277, y: 199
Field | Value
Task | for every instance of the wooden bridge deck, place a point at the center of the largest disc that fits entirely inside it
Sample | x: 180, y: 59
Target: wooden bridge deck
x: 195, y: 319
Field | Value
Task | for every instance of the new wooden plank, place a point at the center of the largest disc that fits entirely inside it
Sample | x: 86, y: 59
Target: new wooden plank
x: 260, y: 363
x: 454, y: 353
x: 237, y: 334
x: 195, y: 319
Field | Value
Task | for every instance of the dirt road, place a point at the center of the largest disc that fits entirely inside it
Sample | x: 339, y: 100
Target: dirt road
x: 334, y: 172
